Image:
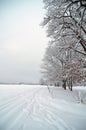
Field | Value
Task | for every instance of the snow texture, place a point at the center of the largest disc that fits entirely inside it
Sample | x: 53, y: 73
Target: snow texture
x: 25, y: 107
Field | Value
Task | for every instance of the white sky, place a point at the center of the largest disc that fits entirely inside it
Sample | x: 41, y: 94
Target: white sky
x: 22, y: 40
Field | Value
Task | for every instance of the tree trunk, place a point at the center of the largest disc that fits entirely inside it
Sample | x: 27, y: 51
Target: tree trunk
x: 64, y: 84
x: 71, y: 84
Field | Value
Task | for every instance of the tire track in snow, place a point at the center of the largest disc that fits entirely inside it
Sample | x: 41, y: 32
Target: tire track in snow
x: 48, y: 113
x: 38, y: 109
x: 13, y: 109
x: 29, y: 107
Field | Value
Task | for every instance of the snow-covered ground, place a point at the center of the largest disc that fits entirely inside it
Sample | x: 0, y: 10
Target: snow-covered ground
x: 25, y: 107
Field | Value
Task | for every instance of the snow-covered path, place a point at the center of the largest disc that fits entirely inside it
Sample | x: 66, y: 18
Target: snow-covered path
x: 33, y: 108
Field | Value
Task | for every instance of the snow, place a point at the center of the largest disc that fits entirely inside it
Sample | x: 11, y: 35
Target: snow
x: 34, y: 107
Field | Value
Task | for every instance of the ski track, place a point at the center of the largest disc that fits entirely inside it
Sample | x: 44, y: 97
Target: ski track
x: 33, y: 108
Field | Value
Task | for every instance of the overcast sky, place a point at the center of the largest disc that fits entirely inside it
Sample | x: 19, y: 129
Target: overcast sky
x: 22, y: 40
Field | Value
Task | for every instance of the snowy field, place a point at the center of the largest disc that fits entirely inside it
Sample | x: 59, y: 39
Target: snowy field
x: 26, y: 107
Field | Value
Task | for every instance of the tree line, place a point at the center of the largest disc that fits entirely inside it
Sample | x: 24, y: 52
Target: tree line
x: 65, y: 57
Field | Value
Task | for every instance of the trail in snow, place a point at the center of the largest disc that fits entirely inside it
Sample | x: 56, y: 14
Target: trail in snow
x: 34, y: 108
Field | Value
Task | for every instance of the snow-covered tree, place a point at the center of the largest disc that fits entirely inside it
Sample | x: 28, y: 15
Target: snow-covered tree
x: 75, y: 72
x: 52, y: 66
x: 42, y: 81
x: 66, y: 27
x: 67, y: 20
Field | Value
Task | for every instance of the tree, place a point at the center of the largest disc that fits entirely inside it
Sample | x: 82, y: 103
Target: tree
x: 42, y: 81
x: 66, y: 27
x: 66, y: 19
x: 51, y: 66
x: 75, y: 72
